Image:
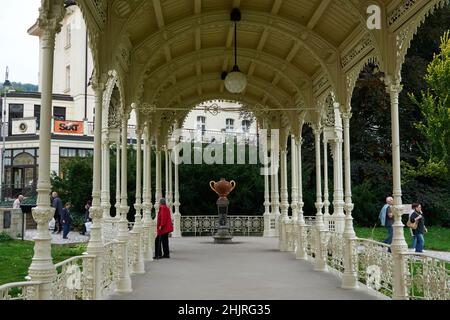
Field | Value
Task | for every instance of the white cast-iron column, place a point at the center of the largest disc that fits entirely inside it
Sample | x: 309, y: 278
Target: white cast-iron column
x: 294, y: 178
x: 42, y: 268
x: 301, y: 225
x: 158, y: 191
x: 147, y: 201
x: 105, y: 193
x: 166, y: 176
x: 138, y: 266
x: 95, y: 245
x: 267, y: 216
x: 398, y: 245
x: 326, y: 195
x: 176, y: 215
x: 284, y: 201
x: 124, y: 280
x: 350, y: 277
x: 319, y: 264
x: 118, y: 184
x: 170, y: 193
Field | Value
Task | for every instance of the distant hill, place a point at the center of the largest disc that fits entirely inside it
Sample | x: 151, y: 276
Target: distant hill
x: 22, y: 87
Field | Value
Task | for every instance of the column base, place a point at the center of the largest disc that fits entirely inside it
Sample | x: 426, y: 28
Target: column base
x: 349, y: 281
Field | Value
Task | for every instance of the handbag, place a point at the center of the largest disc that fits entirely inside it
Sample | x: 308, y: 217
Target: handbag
x: 412, y: 225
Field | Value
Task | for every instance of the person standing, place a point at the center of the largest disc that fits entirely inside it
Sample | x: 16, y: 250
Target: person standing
x: 414, y: 238
x: 18, y: 201
x: 417, y: 217
x: 66, y: 220
x: 86, y: 217
x: 164, y: 227
x: 57, y: 204
x: 387, y: 219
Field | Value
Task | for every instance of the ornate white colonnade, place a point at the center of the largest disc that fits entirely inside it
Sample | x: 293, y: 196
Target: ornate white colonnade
x: 325, y: 97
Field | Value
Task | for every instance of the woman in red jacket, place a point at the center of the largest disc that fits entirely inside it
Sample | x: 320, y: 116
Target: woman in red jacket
x: 164, y: 227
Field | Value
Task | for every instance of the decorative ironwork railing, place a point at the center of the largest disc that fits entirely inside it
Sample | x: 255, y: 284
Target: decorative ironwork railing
x: 110, y: 229
x: 374, y: 265
x: 110, y: 268
x: 74, y: 279
x: 426, y: 277
x: 335, y: 245
x: 207, y: 225
x: 25, y: 290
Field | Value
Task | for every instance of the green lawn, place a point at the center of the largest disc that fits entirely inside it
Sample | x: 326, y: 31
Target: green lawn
x: 16, y: 258
x: 437, y: 238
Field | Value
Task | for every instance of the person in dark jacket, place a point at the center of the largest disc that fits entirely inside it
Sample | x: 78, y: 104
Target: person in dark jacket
x: 66, y: 220
x: 164, y: 227
x: 57, y: 204
x: 86, y: 217
x: 417, y: 216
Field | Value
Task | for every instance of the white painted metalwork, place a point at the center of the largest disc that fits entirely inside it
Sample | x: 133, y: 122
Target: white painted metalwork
x: 427, y: 277
x: 74, y: 279
x: 206, y: 225
x: 25, y: 290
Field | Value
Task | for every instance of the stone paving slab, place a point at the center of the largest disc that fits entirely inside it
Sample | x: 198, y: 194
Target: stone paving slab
x: 74, y: 237
x: 250, y: 268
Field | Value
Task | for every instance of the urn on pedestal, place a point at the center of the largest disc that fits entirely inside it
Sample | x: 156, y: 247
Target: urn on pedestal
x: 222, y: 188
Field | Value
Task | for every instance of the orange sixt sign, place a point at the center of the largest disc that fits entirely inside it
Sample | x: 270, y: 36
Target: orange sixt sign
x: 68, y: 127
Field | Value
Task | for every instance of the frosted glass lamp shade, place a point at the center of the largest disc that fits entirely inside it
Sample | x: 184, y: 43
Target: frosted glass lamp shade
x: 236, y: 82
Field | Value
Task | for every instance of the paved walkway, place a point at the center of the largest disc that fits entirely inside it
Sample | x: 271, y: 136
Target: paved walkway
x: 250, y: 268
x: 74, y: 237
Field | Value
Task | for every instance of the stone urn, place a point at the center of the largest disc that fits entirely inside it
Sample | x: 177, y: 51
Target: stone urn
x: 222, y: 187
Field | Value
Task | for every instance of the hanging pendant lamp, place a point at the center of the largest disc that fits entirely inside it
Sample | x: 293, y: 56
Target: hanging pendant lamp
x: 235, y: 81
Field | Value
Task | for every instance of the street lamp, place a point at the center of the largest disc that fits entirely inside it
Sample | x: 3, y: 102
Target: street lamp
x: 6, y: 87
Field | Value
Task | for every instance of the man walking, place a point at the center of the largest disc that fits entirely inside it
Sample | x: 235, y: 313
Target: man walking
x: 387, y: 219
x: 57, y: 204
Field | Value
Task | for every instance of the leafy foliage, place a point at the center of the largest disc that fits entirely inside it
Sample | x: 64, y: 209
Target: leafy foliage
x: 75, y: 184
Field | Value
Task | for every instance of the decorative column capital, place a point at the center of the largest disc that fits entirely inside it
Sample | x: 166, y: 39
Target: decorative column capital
x: 42, y: 215
x: 105, y: 138
x: 346, y: 117
x: 96, y: 212
x: 51, y: 13
x: 138, y: 132
x: 394, y: 85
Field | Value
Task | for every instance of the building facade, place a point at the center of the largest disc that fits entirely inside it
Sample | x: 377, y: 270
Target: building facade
x: 74, y: 111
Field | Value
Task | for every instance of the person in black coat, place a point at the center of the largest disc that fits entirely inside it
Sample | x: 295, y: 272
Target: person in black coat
x: 66, y: 220
x: 57, y: 204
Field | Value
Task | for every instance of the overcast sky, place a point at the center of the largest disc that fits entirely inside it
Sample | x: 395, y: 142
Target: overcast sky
x: 18, y: 49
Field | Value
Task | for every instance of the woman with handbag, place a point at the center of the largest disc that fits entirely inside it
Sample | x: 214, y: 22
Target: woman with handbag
x: 417, y: 223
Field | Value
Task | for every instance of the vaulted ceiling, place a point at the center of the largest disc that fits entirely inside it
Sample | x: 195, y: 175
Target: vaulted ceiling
x: 172, y: 52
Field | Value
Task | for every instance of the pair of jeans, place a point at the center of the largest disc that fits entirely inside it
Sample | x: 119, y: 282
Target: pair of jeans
x: 66, y: 229
x: 414, y: 241
x: 420, y: 242
x: 390, y: 231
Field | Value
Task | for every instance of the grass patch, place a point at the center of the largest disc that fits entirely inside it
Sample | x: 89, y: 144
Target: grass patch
x: 437, y: 238
x: 16, y: 258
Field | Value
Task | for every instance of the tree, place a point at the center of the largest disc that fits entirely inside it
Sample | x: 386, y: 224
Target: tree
x: 435, y: 107
x: 75, y: 183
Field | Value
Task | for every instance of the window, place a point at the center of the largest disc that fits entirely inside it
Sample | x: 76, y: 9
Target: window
x: 15, y: 112
x: 67, y: 78
x: 37, y: 115
x: 201, y: 124
x: 229, y: 125
x: 73, y: 152
x: 59, y: 113
x: 68, y: 35
x: 246, y: 126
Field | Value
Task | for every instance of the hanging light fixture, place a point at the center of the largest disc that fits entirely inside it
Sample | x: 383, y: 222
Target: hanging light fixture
x: 235, y: 81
